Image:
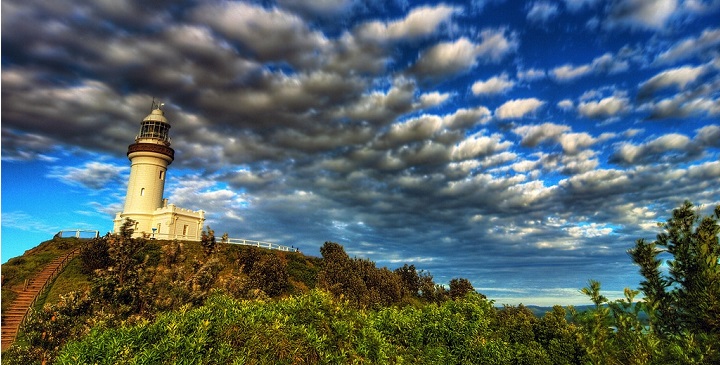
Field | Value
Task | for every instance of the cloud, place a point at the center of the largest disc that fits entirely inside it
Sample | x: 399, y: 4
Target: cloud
x: 681, y: 108
x: 270, y: 34
x: 709, y: 136
x: 605, y: 108
x: 493, y: 85
x: 318, y: 7
x: 605, y: 64
x: 669, y: 147
x: 565, y: 104
x: 577, y: 5
x: 572, y: 143
x: 532, y: 135
x: 314, y: 120
x: 448, y: 58
x: 433, y: 99
x: 641, y: 14
x: 570, y: 72
x: 496, y: 44
x: 609, y: 64
x: 541, y: 12
x: 467, y: 118
x: 518, y: 108
x: 92, y: 175
x: 26, y: 146
x: 379, y: 107
x: 420, y: 22
x: 679, y: 77
x: 704, y: 44
x: 26, y: 222
x: 417, y: 129
x: 478, y: 146
x: 531, y: 74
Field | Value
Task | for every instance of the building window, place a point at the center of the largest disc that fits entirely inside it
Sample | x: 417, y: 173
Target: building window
x: 162, y: 175
x: 142, y: 192
x: 185, y: 230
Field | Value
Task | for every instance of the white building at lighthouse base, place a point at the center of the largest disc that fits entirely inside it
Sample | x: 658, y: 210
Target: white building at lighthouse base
x: 166, y: 223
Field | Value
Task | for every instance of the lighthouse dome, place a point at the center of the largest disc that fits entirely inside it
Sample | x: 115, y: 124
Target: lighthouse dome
x: 156, y: 115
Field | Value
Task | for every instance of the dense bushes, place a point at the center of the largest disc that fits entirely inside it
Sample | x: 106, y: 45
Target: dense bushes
x: 364, y: 285
x: 315, y: 328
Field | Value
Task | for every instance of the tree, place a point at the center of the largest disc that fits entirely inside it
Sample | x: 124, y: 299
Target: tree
x: 459, y: 287
x: 269, y: 274
x: 688, y: 296
x: 94, y: 256
x: 410, y: 279
x: 207, y: 240
x: 338, y: 274
x: 682, y: 302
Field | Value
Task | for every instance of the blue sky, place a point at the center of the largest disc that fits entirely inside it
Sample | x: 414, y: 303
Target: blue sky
x: 524, y: 145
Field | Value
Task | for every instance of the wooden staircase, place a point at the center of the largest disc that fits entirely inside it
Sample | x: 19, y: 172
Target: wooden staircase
x: 16, y: 314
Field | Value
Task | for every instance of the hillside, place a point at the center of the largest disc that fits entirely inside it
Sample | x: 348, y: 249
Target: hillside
x: 19, y: 269
x: 126, y: 300
x: 209, y: 302
x: 301, y: 270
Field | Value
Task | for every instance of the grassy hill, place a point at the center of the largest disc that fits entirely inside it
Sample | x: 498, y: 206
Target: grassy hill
x: 125, y: 300
x: 169, y: 302
x: 302, y: 270
x: 19, y: 269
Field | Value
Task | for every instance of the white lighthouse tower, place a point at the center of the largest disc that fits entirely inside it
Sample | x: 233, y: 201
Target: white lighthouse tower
x: 150, y: 156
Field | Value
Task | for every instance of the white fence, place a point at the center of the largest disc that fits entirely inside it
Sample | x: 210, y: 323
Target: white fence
x: 78, y: 233
x: 85, y: 233
x: 268, y: 245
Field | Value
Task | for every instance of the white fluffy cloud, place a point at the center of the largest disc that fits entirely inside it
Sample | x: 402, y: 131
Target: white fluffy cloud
x: 604, y: 64
x: 709, y: 39
x: 493, y: 85
x: 419, y: 22
x: 433, y: 99
x: 565, y: 104
x: 518, y: 108
x: 570, y: 72
x: 495, y: 45
x: 93, y: 175
x: 532, y: 135
x: 641, y: 13
x: 605, y: 108
x: 449, y: 58
x: 654, y: 150
x: 478, y: 145
x: 679, y: 77
x: 272, y: 34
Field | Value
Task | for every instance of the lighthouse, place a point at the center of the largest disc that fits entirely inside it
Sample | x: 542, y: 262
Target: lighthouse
x: 150, y: 157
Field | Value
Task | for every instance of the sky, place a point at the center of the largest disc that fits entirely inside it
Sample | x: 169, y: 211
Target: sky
x: 524, y: 145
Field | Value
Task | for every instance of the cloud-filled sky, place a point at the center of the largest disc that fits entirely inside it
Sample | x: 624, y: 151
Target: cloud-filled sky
x: 524, y: 145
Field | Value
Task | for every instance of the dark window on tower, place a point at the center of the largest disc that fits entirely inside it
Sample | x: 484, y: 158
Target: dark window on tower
x: 142, y: 192
x: 162, y: 175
